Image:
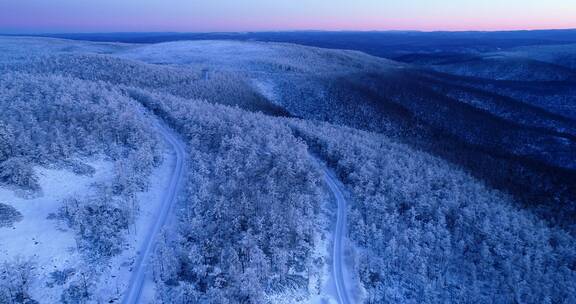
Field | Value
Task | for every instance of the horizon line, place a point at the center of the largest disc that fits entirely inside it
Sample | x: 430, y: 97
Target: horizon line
x: 288, y: 31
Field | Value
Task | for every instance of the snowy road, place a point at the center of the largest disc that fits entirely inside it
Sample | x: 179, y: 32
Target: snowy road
x: 339, y: 234
x: 141, y: 270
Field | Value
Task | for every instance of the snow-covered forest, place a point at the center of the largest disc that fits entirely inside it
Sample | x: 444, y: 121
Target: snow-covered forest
x: 247, y: 225
x: 55, y: 121
x: 425, y: 232
x: 441, y: 207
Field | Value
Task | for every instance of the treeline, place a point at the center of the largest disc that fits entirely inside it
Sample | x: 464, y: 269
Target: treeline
x: 246, y: 228
x: 427, y: 233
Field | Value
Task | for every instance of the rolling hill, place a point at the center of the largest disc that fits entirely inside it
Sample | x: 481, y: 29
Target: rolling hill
x: 458, y: 169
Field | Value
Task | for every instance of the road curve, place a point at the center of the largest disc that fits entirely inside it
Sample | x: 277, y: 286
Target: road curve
x: 339, y: 235
x: 145, y: 252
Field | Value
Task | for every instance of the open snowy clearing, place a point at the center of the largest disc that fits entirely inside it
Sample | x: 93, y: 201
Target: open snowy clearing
x: 41, y: 237
x: 51, y: 245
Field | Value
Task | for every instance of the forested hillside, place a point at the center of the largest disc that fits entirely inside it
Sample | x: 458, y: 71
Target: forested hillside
x: 517, y: 136
x: 425, y: 232
x: 459, y: 182
x: 47, y: 119
x: 194, y: 83
x: 247, y: 226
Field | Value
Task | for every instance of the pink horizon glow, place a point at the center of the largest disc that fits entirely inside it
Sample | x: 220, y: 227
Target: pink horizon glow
x: 255, y: 15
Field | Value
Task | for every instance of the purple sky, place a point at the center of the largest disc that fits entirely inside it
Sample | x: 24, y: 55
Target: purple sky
x: 34, y: 16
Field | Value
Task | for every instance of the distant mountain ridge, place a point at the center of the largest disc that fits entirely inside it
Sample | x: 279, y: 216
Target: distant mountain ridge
x: 378, y: 43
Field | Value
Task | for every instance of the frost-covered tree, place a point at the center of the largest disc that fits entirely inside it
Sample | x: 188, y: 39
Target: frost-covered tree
x: 18, y: 171
x: 16, y: 277
x: 6, y: 142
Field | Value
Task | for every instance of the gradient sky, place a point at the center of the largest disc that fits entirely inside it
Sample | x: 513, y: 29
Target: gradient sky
x: 42, y: 16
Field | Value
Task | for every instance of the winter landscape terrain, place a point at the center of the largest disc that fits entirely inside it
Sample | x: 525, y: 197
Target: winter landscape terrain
x: 251, y: 169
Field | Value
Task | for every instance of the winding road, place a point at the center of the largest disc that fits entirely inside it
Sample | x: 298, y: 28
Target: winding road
x: 140, y: 270
x: 339, y: 235
x: 267, y: 90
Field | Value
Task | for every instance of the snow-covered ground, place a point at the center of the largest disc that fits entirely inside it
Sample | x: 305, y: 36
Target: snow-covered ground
x: 267, y: 89
x: 326, y: 289
x: 340, y: 264
x: 138, y: 286
x: 41, y: 237
x: 49, y: 243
